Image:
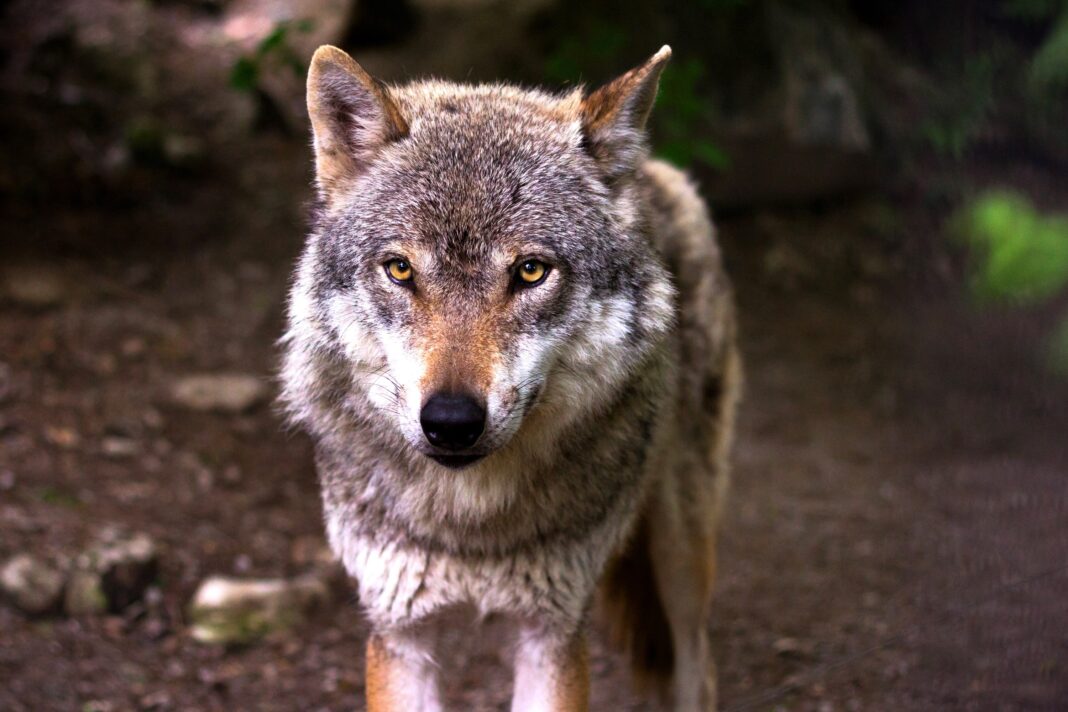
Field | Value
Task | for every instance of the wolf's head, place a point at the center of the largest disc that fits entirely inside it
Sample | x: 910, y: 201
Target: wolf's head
x: 479, y: 251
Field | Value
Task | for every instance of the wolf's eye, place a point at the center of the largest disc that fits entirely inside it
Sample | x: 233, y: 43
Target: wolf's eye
x: 400, y: 271
x: 532, y: 272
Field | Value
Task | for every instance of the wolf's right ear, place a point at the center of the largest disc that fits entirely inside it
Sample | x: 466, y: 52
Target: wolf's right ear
x: 614, y: 116
x: 352, y: 117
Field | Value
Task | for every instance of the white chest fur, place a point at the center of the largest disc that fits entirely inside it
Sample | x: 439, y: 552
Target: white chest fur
x: 401, y: 584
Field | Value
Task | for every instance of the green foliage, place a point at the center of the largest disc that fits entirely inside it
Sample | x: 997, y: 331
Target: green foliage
x: 681, y: 115
x: 594, y: 49
x: 1048, y: 70
x: 961, y: 109
x: 274, y: 49
x: 1049, y: 67
x: 1022, y: 255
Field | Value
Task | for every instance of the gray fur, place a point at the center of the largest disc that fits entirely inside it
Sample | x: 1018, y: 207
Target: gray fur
x: 609, y: 377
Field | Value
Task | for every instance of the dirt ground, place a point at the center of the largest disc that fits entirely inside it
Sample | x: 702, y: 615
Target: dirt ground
x: 892, y: 541
x: 896, y: 536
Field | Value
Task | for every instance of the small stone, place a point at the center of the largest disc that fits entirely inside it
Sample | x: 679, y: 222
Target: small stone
x: 32, y: 584
x: 84, y: 595
x: 33, y: 286
x: 183, y: 151
x: 205, y: 479
x: 154, y: 597
x: 156, y: 700
x: 7, y: 480
x: 232, y: 475
x: 235, y: 611
x: 790, y: 648
x: 133, y: 347
x: 119, y: 448
x: 220, y: 392
x: 66, y: 438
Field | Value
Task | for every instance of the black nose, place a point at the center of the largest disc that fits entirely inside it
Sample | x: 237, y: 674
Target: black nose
x: 452, y: 422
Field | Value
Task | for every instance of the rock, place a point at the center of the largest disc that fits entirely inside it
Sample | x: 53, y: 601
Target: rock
x: 792, y: 648
x: 119, y: 448
x: 84, y: 595
x: 62, y: 437
x: 821, y: 69
x: 33, y: 286
x: 805, y: 96
x: 133, y: 348
x: 121, y: 566
x: 184, y: 151
x: 32, y: 584
x: 219, y: 392
x: 234, y: 611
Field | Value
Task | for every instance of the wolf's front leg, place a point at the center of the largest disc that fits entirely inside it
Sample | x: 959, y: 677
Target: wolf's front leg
x: 551, y: 673
x: 401, y: 675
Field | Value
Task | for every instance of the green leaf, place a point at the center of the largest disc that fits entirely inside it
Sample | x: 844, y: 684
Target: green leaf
x: 1049, y: 67
x: 712, y: 155
x: 1022, y: 256
x: 244, y: 74
x: 274, y: 40
x: 678, y: 152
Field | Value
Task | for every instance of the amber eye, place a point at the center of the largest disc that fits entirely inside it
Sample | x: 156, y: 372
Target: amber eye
x: 532, y: 272
x: 400, y: 271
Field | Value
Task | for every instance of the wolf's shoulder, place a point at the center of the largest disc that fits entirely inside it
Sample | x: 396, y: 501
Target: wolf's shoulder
x: 677, y: 216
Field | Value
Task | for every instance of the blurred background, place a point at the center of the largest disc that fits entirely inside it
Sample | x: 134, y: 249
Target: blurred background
x: 890, y: 181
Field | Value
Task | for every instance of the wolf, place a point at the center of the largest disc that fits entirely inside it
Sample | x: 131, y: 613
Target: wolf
x: 512, y: 341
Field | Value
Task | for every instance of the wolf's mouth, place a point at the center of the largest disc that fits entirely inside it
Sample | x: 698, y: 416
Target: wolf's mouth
x: 455, y: 462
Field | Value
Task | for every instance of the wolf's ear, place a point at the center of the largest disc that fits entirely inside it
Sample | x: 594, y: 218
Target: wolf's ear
x: 614, y: 116
x: 352, y: 117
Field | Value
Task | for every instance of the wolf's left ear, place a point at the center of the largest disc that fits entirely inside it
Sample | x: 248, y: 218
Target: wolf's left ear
x: 352, y: 116
x: 614, y: 116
